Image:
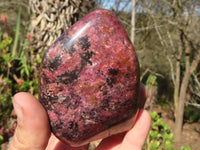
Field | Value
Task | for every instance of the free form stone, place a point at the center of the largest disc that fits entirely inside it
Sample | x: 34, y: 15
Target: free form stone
x: 89, y: 80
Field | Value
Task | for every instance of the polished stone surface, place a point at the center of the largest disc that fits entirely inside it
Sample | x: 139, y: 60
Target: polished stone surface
x: 89, y: 80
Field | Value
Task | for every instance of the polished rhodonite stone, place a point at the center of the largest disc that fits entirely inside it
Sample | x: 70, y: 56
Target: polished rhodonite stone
x: 89, y: 80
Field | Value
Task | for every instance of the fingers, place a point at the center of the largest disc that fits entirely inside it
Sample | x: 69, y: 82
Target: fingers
x: 33, y: 129
x: 111, y: 143
x: 135, y: 138
x: 56, y: 144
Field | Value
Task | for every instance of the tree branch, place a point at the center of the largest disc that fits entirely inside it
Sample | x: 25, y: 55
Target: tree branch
x: 195, y: 62
x: 193, y: 104
x: 172, y: 70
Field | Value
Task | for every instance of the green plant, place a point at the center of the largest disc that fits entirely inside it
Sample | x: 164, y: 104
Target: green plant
x: 5, y: 44
x: 185, y: 148
x: 192, y: 114
x: 17, y: 32
x: 160, y: 136
x: 16, y: 74
x: 163, y: 101
x: 5, y: 85
x: 1, y: 139
x: 152, y: 80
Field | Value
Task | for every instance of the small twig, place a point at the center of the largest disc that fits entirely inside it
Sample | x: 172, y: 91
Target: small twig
x: 172, y: 69
x: 193, y: 104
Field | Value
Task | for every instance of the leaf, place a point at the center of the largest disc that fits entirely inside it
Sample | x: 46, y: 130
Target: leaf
x: 5, y: 43
x: 185, y: 148
x: 169, y: 137
x: 1, y: 139
x: 17, y: 32
x: 169, y: 145
x: 160, y: 136
x: 154, y: 145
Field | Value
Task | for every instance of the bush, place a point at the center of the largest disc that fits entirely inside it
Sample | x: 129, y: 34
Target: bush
x: 185, y: 148
x: 1, y: 139
x: 16, y: 73
x: 160, y: 136
x: 192, y: 114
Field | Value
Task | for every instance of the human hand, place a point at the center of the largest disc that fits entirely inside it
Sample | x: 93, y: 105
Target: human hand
x: 33, y: 130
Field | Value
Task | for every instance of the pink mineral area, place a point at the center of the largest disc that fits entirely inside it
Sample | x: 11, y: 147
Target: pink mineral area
x: 89, y: 80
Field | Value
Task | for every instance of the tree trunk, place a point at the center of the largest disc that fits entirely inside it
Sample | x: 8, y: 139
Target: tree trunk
x: 178, y: 73
x: 177, y: 86
x: 189, y: 69
x: 182, y: 95
x: 133, y: 22
x: 49, y: 20
x: 180, y: 108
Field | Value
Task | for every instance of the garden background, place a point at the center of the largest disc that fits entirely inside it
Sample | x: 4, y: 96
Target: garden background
x: 166, y: 38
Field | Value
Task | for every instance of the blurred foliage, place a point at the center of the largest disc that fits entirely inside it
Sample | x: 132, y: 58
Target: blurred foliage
x: 192, y: 114
x: 151, y: 91
x: 5, y: 43
x: 10, y: 9
x: 16, y: 70
x: 185, y: 148
x: 160, y: 136
x: 152, y: 80
x: 1, y: 140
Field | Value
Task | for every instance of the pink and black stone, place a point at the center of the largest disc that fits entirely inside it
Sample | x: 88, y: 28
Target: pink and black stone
x: 89, y: 80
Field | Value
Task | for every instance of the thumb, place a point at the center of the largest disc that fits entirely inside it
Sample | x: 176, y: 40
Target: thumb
x: 33, y: 131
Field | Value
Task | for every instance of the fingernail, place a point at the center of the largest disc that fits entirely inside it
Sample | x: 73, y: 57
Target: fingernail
x: 19, y: 111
